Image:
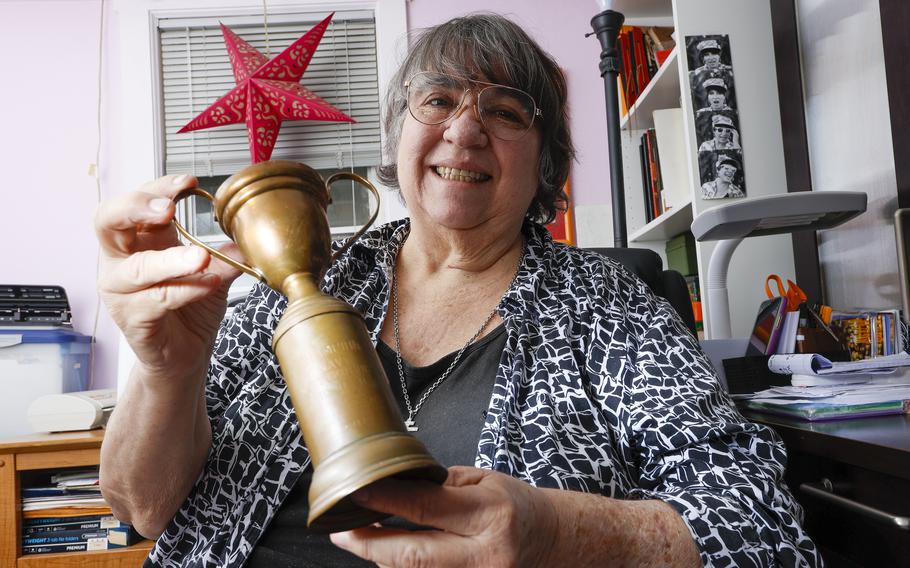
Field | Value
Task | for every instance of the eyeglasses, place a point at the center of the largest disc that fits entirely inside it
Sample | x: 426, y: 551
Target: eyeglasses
x: 505, y: 112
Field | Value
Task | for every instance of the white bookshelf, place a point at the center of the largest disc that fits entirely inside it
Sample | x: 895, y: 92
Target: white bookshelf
x: 748, y: 24
x: 662, y: 92
x: 663, y: 228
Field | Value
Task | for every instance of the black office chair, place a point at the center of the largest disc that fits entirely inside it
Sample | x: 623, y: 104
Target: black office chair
x: 669, y: 284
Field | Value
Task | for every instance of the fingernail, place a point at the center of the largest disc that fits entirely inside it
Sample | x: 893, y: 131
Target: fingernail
x: 181, y: 179
x: 340, y: 538
x: 159, y: 205
x: 192, y: 254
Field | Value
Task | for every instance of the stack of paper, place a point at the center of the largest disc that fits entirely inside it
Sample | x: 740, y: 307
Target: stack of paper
x: 831, y: 403
x: 826, y: 390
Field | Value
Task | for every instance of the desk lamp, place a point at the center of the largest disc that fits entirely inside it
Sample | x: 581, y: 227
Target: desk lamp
x: 757, y: 217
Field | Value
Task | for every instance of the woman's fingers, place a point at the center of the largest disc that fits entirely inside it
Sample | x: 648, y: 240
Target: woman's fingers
x: 395, y: 547
x: 168, y: 186
x: 173, y: 295
x: 144, y: 269
x: 455, y: 509
x: 117, y: 221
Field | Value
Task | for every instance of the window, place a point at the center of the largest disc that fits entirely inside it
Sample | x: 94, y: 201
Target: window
x: 195, y: 71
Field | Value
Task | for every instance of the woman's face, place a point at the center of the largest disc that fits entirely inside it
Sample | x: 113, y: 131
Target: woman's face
x: 457, y: 175
x: 711, y: 58
x: 716, y: 99
x: 723, y: 134
x: 726, y: 172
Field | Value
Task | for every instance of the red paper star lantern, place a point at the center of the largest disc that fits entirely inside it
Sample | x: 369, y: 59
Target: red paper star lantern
x: 267, y: 92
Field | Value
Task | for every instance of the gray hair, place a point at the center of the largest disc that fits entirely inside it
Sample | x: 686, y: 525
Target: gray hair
x: 496, y: 48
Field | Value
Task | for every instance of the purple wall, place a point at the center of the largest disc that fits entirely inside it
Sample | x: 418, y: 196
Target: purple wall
x: 50, y: 133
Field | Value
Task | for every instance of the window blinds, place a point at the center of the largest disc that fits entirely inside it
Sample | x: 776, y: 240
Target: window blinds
x: 195, y: 72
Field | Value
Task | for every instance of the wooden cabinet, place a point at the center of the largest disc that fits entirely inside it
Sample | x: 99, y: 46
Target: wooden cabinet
x: 748, y: 25
x: 852, y: 478
x: 52, y: 452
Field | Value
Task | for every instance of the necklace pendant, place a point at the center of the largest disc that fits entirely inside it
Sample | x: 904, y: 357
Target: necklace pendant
x: 409, y: 423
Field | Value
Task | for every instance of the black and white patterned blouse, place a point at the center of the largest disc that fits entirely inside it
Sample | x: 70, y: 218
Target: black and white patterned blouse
x: 600, y: 389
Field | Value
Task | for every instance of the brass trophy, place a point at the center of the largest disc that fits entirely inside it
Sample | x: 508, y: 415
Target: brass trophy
x: 276, y: 213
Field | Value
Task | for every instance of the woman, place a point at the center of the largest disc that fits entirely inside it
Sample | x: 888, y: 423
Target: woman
x: 723, y: 184
x: 548, y: 368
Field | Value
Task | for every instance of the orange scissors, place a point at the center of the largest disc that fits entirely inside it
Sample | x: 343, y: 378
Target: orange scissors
x: 793, y: 293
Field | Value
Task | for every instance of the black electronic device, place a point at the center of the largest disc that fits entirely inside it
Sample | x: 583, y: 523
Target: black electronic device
x: 22, y: 305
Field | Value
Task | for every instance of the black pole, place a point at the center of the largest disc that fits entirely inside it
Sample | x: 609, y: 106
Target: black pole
x: 606, y: 27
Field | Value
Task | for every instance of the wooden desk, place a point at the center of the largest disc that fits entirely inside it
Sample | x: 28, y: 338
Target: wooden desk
x: 51, y: 451
x: 865, y: 464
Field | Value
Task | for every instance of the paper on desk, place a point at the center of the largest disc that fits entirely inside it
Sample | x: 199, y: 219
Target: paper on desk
x: 860, y: 394
x: 814, y: 364
x: 877, y: 376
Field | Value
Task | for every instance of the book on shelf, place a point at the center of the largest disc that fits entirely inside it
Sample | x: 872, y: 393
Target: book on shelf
x: 641, y: 53
x: 652, y: 186
x: 60, y: 537
x: 102, y: 540
x: 641, y: 65
x: 63, y: 524
x: 868, y: 333
x: 645, y: 181
x: 64, y: 511
x: 626, y: 70
x: 668, y: 128
x: 114, y: 534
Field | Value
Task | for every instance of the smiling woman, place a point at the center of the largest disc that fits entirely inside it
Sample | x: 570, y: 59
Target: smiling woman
x: 581, y: 421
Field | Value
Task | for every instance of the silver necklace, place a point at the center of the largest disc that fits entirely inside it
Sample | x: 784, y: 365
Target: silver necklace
x: 412, y: 411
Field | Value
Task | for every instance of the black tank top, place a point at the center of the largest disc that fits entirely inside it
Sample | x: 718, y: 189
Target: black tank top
x: 449, y: 425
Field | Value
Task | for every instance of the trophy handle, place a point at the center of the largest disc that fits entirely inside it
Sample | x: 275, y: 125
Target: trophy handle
x: 366, y: 183
x: 183, y: 194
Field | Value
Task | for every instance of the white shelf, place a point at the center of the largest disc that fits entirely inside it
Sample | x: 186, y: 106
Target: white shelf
x: 645, y: 12
x: 662, y: 92
x: 668, y: 225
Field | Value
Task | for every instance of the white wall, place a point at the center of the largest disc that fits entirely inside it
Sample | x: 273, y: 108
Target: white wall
x: 850, y: 146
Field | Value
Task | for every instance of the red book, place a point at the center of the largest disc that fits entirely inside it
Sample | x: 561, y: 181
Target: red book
x: 628, y: 70
x: 642, y: 75
x: 652, y: 165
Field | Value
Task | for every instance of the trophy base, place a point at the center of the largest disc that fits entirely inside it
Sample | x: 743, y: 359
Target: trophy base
x: 389, y: 454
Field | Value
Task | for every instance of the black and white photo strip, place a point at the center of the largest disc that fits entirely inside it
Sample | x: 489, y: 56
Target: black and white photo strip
x: 720, y: 150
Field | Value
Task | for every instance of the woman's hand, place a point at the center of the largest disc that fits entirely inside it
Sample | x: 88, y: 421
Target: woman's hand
x: 167, y: 299
x: 485, y: 518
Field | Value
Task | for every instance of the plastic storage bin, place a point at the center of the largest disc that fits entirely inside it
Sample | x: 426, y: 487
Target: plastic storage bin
x: 36, y: 362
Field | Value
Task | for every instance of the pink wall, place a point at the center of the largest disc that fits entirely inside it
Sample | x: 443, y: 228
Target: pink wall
x: 560, y: 28
x: 49, y: 105
x: 50, y: 133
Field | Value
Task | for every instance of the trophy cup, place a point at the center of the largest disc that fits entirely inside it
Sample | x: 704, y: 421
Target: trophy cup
x: 276, y: 213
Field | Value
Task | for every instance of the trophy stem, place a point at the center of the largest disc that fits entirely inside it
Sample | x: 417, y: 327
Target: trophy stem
x: 348, y: 416
x: 300, y: 285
